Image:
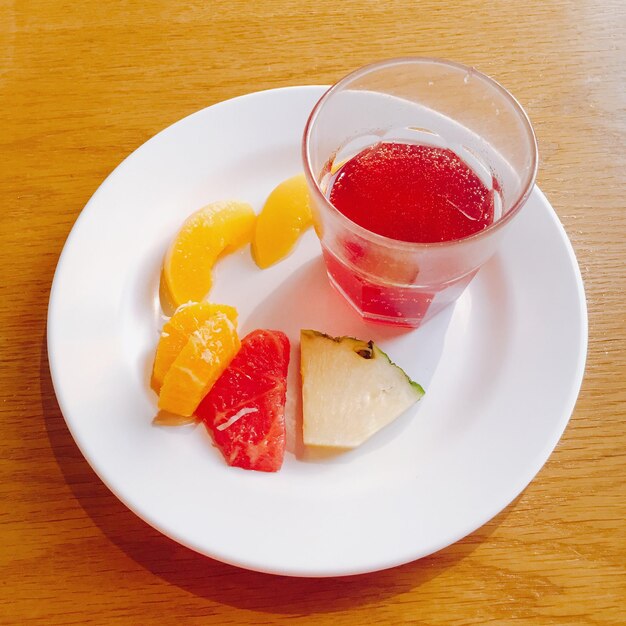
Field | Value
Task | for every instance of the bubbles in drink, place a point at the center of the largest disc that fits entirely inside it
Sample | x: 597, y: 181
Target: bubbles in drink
x: 413, y: 192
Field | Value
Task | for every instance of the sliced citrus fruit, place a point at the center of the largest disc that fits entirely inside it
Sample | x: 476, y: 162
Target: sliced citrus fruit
x: 284, y: 217
x: 176, y: 332
x: 218, y: 228
x: 245, y: 408
x: 207, y: 353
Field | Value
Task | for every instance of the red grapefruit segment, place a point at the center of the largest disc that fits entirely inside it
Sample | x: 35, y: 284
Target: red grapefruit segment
x: 244, y: 411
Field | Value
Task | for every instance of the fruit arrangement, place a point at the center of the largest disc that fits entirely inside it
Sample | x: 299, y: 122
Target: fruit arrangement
x: 237, y: 388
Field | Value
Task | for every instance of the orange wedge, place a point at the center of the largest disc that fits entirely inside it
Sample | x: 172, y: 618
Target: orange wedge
x: 284, y: 217
x: 216, y: 229
x: 176, y: 332
x: 207, y: 353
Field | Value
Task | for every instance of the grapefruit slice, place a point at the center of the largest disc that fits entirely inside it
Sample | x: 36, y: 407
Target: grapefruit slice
x: 244, y: 411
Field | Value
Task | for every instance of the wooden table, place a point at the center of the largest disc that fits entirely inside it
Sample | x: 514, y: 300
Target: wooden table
x: 83, y: 84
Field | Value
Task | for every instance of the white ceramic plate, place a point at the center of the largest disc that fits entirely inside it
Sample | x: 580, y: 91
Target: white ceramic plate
x: 501, y: 369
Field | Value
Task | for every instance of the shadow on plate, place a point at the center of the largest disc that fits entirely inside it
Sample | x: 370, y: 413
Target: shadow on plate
x: 199, y: 575
x: 306, y: 299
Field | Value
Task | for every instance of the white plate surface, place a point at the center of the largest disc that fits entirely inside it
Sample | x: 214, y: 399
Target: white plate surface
x: 501, y: 369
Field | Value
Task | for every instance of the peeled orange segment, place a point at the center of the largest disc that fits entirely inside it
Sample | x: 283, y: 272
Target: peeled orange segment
x: 217, y: 228
x: 207, y: 353
x: 284, y: 217
x: 176, y: 332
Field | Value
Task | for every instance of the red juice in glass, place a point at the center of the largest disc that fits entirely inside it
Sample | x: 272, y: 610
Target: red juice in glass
x: 408, y: 192
x: 415, y: 168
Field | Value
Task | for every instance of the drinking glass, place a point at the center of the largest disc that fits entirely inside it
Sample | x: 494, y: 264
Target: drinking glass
x: 425, y: 101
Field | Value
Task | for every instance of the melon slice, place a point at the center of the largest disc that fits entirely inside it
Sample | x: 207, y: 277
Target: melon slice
x: 350, y: 390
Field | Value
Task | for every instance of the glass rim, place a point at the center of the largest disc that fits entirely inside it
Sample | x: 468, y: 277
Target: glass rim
x: 516, y: 205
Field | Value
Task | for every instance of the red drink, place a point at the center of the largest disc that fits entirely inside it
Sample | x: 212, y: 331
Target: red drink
x: 412, y: 192
x: 408, y: 192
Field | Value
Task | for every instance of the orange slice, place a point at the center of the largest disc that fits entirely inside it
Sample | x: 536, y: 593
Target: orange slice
x: 216, y: 229
x: 207, y: 353
x: 176, y: 333
x: 284, y: 217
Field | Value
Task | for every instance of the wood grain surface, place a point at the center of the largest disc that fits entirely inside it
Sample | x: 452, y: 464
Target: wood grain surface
x: 84, y: 84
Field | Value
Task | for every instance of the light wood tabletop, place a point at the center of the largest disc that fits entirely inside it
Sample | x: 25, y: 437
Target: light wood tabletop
x: 83, y: 84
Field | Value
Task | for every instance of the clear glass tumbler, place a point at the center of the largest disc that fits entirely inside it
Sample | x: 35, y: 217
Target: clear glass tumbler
x: 425, y: 101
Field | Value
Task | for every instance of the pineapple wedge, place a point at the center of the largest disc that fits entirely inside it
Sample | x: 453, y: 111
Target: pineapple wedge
x: 350, y: 390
